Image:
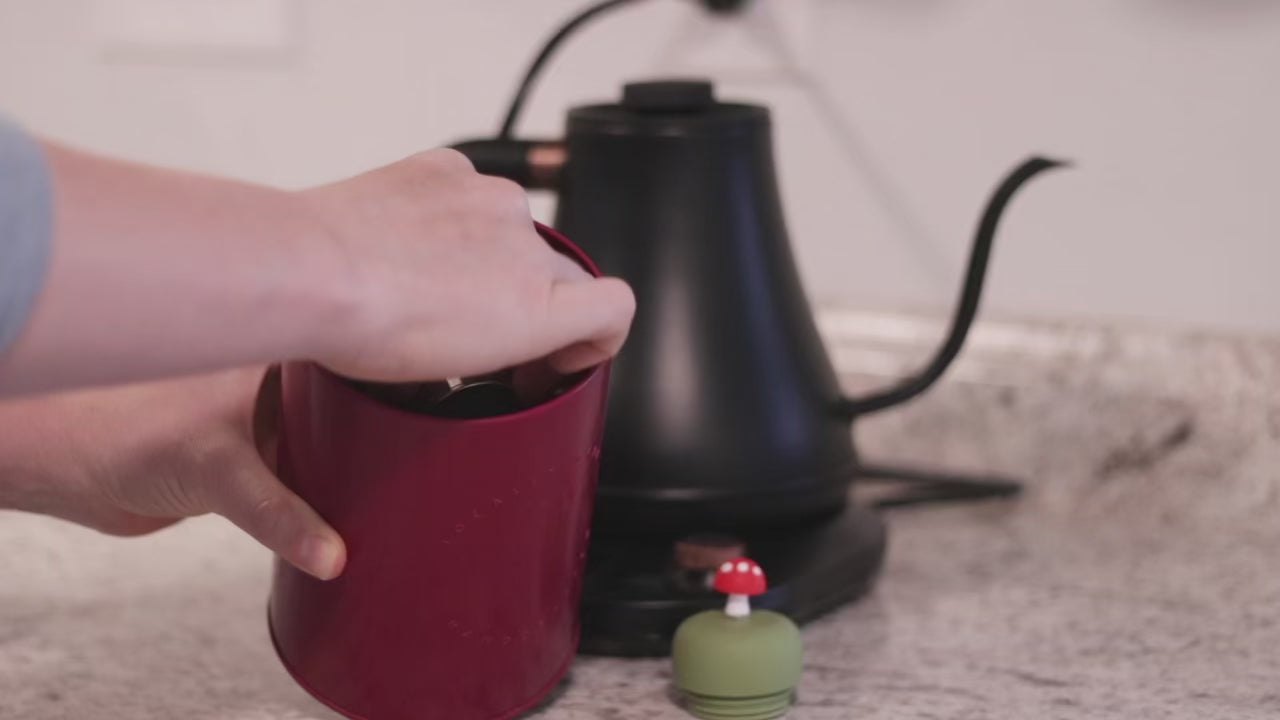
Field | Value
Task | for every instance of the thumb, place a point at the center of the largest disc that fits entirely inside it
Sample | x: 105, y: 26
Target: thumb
x: 257, y: 502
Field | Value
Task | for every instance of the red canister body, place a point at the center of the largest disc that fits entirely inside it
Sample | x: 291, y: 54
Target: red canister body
x: 466, y: 542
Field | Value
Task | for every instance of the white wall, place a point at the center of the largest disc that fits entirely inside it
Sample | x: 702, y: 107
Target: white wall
x: 1170, y: 107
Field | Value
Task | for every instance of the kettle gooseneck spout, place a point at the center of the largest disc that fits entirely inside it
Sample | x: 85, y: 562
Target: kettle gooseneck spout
x: 970, y: 294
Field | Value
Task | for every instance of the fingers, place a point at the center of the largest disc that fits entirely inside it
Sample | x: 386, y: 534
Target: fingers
x: 256, y: 501
x: 588, y: 321
x: 601, y: 345
x: 579, y: 357
x: 449, y: 277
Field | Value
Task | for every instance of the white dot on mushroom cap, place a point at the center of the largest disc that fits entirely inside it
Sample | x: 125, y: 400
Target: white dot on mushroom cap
x: 756, y: 571
x: 727, y: 567
x: 743, y: 567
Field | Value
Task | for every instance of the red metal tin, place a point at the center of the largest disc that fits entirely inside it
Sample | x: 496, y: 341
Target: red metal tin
x: 466, y: 541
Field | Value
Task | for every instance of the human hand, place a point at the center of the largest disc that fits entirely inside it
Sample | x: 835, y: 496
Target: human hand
x: 449, y: 278
x: 134, y: 459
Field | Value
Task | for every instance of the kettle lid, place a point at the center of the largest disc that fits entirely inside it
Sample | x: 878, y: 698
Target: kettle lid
x: 668, y: 96
x: 667, y: 107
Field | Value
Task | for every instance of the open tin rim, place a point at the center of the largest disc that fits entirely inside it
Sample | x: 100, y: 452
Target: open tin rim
x: 565, y: 247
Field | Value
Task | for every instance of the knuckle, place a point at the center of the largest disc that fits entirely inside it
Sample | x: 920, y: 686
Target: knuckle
x: 503, y: 194
x: 617, y: 304
x: 447, y: 160
x: 626, y: 306
x: 615, y: 292
x: 268, y: 509
x: 269, y: 513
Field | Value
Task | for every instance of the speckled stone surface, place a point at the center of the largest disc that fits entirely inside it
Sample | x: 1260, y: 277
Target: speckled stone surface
x: 1139, y: 577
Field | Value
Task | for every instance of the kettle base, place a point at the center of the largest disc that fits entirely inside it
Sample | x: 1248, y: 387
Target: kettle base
x: 634, y: 596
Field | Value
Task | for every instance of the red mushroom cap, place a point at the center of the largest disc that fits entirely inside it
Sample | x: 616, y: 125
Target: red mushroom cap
x: 740, y: 576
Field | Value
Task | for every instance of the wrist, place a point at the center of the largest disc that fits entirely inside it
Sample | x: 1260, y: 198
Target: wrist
x: 332, y: 298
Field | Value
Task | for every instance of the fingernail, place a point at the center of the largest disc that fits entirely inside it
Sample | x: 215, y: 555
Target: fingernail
x: 320, y: 557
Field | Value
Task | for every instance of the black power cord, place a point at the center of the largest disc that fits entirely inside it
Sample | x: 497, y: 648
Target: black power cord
x: 548, y: 49
x: 927, y: 487
x: 570, y: 26
x: 725, y: 7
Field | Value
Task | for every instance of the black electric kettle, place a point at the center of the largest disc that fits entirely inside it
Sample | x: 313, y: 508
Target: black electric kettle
x: 725, y: 412
x: 727, y: 431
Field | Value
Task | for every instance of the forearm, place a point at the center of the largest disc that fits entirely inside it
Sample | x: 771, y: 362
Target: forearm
x: 156, y: 272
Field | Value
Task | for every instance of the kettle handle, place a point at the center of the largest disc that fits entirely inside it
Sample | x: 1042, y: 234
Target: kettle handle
x: 967, y: 306
x: 535, y: 164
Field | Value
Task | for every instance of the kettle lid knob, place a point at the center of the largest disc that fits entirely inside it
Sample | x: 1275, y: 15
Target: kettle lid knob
x: 668, y: 96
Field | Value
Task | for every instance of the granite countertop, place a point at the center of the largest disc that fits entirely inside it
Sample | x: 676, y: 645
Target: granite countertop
x: 1138, y: 577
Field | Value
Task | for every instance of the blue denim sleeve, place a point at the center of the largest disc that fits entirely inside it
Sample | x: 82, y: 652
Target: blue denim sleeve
x: 26, y: 227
